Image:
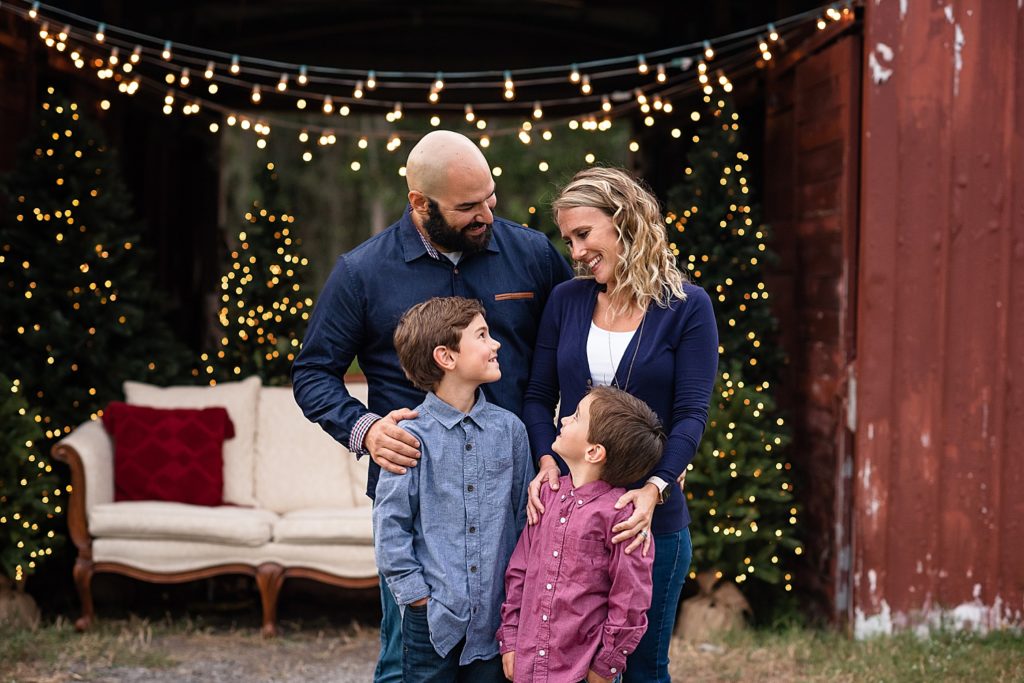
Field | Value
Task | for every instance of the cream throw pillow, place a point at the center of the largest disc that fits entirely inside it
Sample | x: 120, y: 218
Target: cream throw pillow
x: 240, y: 400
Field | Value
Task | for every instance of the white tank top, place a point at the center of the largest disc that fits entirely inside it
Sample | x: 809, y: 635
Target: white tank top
x: 604, y: 353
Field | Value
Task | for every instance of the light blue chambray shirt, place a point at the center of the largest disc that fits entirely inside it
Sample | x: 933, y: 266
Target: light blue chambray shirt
x: 446, y: 529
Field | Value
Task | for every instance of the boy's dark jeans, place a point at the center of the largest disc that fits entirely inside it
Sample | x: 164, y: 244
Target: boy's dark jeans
x: 422, y: 664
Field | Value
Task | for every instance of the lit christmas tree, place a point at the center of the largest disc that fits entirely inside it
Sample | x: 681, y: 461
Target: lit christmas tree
x: 264, y: 303
x: 30, y: 494
x: 78, y: 311
x: 739, y: 486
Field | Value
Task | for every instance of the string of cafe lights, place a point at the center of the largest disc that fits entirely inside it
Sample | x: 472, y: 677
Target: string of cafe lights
x: 135, y: 60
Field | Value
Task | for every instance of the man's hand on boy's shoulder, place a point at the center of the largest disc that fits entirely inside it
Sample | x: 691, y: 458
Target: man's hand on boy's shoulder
x: 508, y: 664
x: 390, y: 446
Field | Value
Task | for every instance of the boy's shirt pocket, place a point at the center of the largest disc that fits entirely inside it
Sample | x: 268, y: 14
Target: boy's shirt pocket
x: 586, y: 553
x: 498, y: 461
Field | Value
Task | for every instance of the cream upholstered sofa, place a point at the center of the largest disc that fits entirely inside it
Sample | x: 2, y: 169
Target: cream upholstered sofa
x: 294, y: 502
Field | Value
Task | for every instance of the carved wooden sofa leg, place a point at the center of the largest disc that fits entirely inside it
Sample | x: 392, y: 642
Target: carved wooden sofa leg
x: 83, y: 573
x: 269, y: 579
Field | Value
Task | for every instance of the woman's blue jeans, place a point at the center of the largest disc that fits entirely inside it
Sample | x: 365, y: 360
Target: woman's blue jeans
x: 649, y: 662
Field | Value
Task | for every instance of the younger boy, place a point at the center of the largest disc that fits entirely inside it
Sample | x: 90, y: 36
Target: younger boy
x: 576, y: 604
x: 446, y: 528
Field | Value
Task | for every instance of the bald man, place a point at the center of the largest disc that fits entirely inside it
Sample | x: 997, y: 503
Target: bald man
x: 448, y: 242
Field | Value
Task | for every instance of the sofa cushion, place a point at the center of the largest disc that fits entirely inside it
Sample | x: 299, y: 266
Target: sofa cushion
x: 227, y: 524
x: 239, y: 398
x: 352, y: 526
x: 298, y: 465
x: 172, y: 454
x: 164, y: 557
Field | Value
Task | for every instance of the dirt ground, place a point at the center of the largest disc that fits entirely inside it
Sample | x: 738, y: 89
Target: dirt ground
x: 209, y: 633
x: 134, y: 651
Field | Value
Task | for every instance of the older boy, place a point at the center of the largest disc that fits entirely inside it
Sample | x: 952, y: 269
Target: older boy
x: 445, y: 530
x: 576, y: 603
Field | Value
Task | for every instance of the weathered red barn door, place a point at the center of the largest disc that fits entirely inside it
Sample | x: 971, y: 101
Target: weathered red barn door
x: 811, y: 199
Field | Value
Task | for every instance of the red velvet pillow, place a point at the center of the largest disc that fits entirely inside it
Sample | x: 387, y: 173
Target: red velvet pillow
x: 172, y: 454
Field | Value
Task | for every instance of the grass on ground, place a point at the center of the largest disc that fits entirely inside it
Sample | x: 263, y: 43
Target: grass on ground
x: 57, y: 652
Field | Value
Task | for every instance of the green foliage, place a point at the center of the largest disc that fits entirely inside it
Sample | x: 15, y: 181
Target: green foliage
x: 739, y: 486
x: 265, y: 303
x: 78, y: 310
x: 29, y: 489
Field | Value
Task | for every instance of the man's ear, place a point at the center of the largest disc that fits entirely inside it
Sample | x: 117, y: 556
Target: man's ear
x: 420, y: 202
x: 595, y: 454
x: 444, y: 357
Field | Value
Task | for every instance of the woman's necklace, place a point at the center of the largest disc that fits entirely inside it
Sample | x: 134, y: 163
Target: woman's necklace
x: 611, y: 356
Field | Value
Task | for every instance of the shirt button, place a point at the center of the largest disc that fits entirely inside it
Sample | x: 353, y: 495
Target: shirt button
x: 472, y: 568
x: 563, y: 496
x: 469, y: 446
x: 469, y: 488
x: 543, y: 617
x: 472, y: 529
x: 579, y: 502
x: 541, y: 653
x: 625, y: 652
x: 562, y: 520
x: 548, y: 586
x: 555, y: 553
x: 614, y: 670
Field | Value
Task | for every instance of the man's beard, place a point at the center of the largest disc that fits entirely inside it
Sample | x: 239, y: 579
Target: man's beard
x: 444, y: 235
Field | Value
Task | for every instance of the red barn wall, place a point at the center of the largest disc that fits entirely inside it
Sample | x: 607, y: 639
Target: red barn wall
x: 938, y: 508
x: 812, y: 131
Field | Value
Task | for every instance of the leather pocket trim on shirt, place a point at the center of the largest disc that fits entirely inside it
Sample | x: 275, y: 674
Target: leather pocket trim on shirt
x: 512, y: 296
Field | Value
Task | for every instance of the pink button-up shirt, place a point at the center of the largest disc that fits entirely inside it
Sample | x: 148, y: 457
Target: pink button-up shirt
x: 574, y: 601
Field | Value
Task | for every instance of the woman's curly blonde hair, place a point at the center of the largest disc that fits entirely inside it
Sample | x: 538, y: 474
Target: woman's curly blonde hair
x: 646, y: 270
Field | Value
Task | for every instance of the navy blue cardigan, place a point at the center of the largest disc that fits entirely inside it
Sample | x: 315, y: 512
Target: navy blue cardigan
x: 674, y: 372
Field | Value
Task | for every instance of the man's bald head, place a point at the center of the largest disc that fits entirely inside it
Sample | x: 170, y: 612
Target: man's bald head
x: 437, y: 157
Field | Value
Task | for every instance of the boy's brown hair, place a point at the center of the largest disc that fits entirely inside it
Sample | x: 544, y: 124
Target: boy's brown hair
x: 630, y: 432
x: 435, y: 322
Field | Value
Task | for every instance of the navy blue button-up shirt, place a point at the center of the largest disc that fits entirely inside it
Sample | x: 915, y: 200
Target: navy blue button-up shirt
x: 375, y: 283
x: 446, y: 529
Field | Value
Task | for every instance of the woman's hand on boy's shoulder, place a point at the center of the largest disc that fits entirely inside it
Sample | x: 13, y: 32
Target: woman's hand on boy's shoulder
x: 638, y: 525
x: 548, y: 474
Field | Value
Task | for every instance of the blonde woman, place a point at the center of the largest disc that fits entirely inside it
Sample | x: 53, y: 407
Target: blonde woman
x: 631, y: 320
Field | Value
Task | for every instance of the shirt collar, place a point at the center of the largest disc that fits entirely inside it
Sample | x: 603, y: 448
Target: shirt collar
x: 588, y: 492
x: 449, y: 416
x: 415, y: 245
